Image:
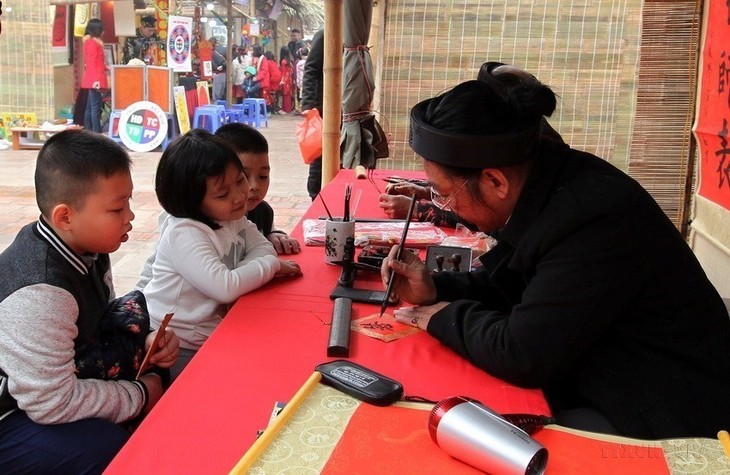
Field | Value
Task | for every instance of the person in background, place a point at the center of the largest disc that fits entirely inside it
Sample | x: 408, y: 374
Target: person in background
x: 262, y: 78
x: 220, y: 74
x: 145, y: 44
x: 274, y: 81
x: 287, y: 73
x: 94, y: 79
x: 591, y: 293
x: 239, y: 65
x: 295, y: 44
x: 220, y: 79
x: 218, y: 58
x: 300, y: 78
x: 55, y: 287
x: 208, y: 254
x: 250, y: 87
x: 312, y: 98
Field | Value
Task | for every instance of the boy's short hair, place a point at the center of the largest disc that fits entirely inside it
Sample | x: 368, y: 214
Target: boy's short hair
x: 186, y: 164
x: 69, y: 164
x: 243, y: 138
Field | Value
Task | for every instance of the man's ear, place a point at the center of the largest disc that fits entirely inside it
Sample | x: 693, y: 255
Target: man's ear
x: 61, y: 216
x: 494, y: 179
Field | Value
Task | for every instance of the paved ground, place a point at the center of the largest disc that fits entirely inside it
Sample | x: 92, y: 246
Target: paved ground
x: 287, y: 195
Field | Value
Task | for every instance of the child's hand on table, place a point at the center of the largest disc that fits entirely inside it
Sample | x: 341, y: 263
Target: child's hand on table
x: 289, y: 269
x: 283, y: 243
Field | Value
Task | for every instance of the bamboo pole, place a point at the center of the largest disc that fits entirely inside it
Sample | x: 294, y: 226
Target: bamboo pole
x: 263, y: 442
x: 332, y: 100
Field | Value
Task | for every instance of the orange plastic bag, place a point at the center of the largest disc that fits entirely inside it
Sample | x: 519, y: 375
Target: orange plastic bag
x: 309, y: 136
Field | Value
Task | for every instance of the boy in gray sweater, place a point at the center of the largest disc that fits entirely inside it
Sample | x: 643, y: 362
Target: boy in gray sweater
x: 55, y: 287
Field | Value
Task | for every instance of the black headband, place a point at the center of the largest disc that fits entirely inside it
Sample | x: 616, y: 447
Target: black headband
x: 469, y: 151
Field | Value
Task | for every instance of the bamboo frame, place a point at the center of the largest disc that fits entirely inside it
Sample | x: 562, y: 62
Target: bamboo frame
x: 332, y: 100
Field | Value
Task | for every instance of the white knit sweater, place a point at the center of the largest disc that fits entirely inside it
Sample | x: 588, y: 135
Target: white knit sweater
x: 199, y: 271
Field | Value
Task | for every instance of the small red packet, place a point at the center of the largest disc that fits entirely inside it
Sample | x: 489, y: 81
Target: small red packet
x: 153, y: 346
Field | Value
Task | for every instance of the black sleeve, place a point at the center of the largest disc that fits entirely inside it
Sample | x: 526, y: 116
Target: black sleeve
x: 580, y: 283
x: 313, y: 79
x: 263, y: 217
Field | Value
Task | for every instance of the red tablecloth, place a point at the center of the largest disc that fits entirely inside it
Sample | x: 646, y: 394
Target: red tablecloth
x: 270, y: 342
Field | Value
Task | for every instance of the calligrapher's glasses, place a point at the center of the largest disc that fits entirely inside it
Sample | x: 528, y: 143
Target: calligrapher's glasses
x: 443, y: 202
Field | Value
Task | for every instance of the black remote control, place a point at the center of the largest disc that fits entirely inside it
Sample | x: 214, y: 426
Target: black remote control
x: 339, y: 342
x: 360, y: 382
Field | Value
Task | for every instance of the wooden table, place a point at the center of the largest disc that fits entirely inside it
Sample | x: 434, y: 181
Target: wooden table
x: 20, y: 133
x: 269, y: 344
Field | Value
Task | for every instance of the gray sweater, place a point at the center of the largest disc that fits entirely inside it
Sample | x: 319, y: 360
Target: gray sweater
x: 51, y: 301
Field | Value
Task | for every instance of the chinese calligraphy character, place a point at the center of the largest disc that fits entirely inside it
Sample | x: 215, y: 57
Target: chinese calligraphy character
x: 723, y: 166
x: 724, y: 76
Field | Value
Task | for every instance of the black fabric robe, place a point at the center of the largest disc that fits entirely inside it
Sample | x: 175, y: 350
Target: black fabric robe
x: 594, y: 296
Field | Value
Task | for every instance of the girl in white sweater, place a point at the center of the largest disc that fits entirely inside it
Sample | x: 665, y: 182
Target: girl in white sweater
x: 208, y: 253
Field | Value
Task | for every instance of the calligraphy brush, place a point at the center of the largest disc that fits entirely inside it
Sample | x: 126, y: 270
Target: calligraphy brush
x: 371, y: 179
x: 346, y: 211
x: 325, y: 206
x: 398, y: 255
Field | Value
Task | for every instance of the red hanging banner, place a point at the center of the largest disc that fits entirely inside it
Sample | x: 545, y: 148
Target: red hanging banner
x: 59, y: 35
x: 713, y: 105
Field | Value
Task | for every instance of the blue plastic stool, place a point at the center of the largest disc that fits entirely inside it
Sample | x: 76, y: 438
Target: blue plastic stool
x: 241, y: 113
x: 256, y: 112
x: 209, y: 117
x: 172, y: 131
x: 235, y: 115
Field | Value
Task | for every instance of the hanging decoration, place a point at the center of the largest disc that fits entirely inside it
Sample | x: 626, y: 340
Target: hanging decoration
x: 713, y: 104
x: 81, y: 19
x: 179, y: 43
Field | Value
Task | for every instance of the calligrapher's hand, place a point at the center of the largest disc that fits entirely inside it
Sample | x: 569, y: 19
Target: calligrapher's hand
x: 408, y: 189
x: 168, y: 348
x: 418, y: 316
x: 289, y: 269
x: 283, y: 243
x: 395, y: 207
x: 413, y: 282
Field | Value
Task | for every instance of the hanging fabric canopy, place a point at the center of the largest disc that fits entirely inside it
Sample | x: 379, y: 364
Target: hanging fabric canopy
x: 361, y: 138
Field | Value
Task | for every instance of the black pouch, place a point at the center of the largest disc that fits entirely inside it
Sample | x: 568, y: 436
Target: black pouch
x: 360, y: 382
